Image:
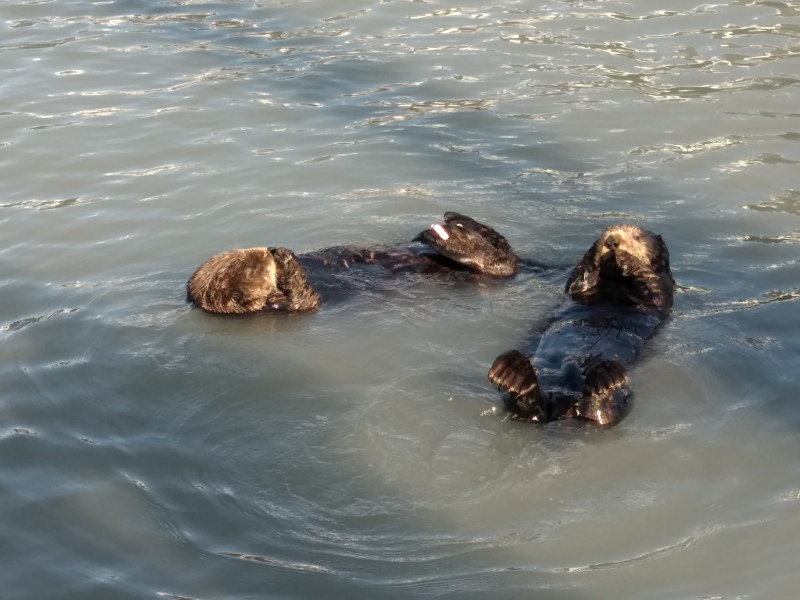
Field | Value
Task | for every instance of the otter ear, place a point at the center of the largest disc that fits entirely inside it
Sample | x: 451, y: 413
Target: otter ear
x: 582, y: 285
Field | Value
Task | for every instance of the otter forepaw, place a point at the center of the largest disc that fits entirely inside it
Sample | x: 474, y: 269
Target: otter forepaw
x: 605, y: 391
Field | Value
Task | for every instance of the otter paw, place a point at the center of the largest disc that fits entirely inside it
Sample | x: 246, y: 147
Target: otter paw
x: 605, y: 392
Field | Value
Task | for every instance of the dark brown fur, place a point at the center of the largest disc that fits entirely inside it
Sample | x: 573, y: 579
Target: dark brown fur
x: 259, y: 279
x: 620, y: 291
x: 474, y: 246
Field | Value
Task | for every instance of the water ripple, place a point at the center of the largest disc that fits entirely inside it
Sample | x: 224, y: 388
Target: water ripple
x: 277, y: 563
x: 617, y: 564
x: 22, y: 323
x: 784, y: 203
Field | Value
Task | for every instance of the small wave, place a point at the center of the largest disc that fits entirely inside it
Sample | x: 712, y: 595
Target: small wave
x: 769, y: 298
x: 48, y: 44
x: 152, y: 171
x: 788, y: 202
x: 616, y: 564
x: 50, y: 204
x: 691, y: 148
x: 791, y: 238
x: 17, y: 325
x: 277, y: 563
x: 175, y: 596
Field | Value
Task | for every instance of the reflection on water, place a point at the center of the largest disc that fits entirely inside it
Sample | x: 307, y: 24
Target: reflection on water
x: 150, y: 450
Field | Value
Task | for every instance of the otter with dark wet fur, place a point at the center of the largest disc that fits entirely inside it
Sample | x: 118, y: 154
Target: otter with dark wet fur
x: 275, y: 279
x: 620, y: 292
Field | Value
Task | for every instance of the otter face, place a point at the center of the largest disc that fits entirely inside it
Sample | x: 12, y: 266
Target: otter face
x: 626, y: 265
x: 628, y: 245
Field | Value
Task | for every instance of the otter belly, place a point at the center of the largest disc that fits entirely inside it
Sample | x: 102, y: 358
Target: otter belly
x: 577, y: 332
x: 578, y: 366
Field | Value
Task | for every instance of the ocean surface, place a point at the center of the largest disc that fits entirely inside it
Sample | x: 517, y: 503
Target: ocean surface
x: 150, y: 450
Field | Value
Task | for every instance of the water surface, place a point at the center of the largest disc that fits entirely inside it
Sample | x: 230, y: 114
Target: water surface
x: 150, y: 450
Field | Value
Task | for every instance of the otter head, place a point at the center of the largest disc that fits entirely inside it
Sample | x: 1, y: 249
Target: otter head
x: 251, y: 280
x: 473, y: 245
x: 627, y: 265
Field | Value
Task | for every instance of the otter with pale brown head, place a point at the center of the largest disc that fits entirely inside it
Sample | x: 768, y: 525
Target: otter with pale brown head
x: 275, y: 279
x: 620, y: 292
x: 627, y: 265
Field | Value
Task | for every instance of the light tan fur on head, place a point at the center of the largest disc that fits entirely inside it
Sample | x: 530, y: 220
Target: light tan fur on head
x: 237, y: 281
x: 626, y: 264
x: 631, y: 240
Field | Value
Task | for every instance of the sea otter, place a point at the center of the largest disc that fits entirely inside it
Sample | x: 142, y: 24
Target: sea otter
x: 275, y: 279
x: 619, y: 293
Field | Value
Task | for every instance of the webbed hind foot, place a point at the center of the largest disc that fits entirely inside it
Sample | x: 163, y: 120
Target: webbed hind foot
x: 605, y: 391
x: 514, y: 374
x: 497, y: 241
x: 471, y: 244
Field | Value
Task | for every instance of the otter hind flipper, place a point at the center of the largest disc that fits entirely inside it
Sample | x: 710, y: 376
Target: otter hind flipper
x: 605, y: 391
x: 497, y: 241
x: 471, y: 244
x: 514, y: 374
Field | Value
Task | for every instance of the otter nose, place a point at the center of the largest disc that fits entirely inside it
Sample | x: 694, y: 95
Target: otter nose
x: 612, y: 242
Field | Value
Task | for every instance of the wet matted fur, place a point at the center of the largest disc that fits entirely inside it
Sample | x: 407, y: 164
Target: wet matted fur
x: 619, y: 293
x: 275, y: 279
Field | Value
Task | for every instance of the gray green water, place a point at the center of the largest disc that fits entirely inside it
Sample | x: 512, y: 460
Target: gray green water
x: 151, y: 451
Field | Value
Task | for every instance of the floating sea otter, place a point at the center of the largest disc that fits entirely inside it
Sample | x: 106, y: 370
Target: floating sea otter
x: 274, y: 279
x: 621, y: 291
